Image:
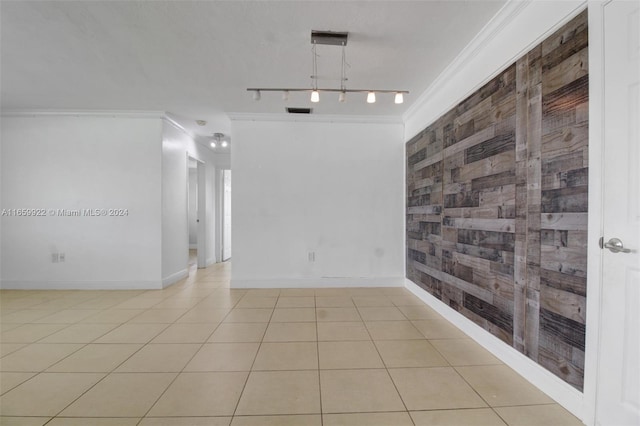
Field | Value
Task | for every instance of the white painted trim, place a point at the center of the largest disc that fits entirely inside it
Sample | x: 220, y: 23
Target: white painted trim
x: 325, y: 118
x: 506, y: 14
x: 84, y: 113
x: 565, y: 394
x: 178, y: 126
x: 79, y: 285
x: 319, y: 282
x: 595, y: 207
x: 500, y: 41
x: 174, y: 278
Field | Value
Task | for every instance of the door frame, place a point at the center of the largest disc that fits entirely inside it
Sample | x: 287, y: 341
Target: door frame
x: 201, y: 211
x: 596, y: 207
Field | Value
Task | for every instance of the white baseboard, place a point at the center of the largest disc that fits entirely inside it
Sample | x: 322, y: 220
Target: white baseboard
x: 80, y: 285
x: 319, y: 282
x: 174, y: 278
x: 562, y: 392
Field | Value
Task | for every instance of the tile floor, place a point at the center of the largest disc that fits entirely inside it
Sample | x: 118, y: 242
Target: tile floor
x: 199, y: 353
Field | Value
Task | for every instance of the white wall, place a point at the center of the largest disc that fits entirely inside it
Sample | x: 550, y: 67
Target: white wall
x: 332, y: 188
x: 516, y: 29
x: 81, y: 162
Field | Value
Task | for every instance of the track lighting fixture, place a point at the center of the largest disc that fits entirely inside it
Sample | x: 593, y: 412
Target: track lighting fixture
x: 218, y: 141
x: 332, y: 39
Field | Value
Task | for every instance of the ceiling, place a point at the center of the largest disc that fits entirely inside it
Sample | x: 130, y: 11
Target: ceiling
x: 195, y: 59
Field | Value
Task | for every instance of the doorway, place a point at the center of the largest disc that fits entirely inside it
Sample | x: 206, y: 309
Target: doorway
x: 226, y: 215
x: 196, y: 213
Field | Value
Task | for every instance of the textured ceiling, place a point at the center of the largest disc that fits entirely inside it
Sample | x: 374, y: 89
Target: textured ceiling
x: 195, y: 59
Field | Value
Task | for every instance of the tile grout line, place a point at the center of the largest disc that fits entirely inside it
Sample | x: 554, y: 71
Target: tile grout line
x: 244, y: 386
x: 386, y: 369
x: 315, y: 313
x: 185, y: 365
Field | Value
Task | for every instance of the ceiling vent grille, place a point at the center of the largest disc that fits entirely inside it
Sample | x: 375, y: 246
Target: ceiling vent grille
x: 331, y: 38
x: 299, y: 110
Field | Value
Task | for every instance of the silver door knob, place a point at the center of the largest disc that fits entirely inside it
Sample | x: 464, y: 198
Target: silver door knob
x: 614, y: 245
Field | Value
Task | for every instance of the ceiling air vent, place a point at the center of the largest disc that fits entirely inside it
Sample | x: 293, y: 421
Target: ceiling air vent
x: 299, y: 110
x: 332, y: 38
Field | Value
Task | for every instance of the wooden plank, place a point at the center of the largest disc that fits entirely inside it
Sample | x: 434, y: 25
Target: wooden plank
x: 490, y: 212
x: 430, y: 210
x: 480, y: 293
x: 565, y: 282
x: 499, y: 225
x: 567, y: 71
x: 564, y: 329
x: 571, y: 30
x: 568, y: 260
x: 470, y: 141
x: 494, y: 146
x: 498, y: 196
x: 569, y: 305
x: 565, y: 140
x: 494, y: 180
x: 499, y: 163
x: 565, y: 200
x: 504, y: 241
x: 491, y: 313
x: 532, y: 322
x: 564, y: 221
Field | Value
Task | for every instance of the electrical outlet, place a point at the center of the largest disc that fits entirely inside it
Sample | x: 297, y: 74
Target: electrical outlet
x: 54, y: 257
x: 61, y: 257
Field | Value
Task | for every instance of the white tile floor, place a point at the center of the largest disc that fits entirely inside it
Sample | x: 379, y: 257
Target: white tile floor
x: 199, y: 353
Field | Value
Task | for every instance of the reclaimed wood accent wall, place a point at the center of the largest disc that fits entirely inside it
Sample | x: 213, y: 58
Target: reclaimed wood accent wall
x: 497, y: 204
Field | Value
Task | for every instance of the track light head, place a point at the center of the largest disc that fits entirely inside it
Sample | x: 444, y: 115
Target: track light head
x: 256, y: 95
x: 371, y: 97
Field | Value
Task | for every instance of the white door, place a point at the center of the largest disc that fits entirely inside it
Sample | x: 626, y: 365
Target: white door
x: 618, y: 383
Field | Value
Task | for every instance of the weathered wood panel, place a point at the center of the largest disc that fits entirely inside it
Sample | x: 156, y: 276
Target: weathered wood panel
x: 497, y: 193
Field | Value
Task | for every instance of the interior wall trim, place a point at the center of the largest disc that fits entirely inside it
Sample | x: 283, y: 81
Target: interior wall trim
x: 325, y: 118
x: 489, y: 33
x: 505, y: 15
x: 84, y: 113
x: 174, y: 278
x: 565, y: 394
x: 318, y: 282
x: 80, y: 285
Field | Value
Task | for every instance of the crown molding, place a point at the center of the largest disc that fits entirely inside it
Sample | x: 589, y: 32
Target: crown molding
x: 83, y: 113
x: 169, y: 120
x: 365, y: 119
x: 500, y: 20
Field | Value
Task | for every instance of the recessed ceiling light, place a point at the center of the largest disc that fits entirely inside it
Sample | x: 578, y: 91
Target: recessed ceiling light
x: 201, y: 122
